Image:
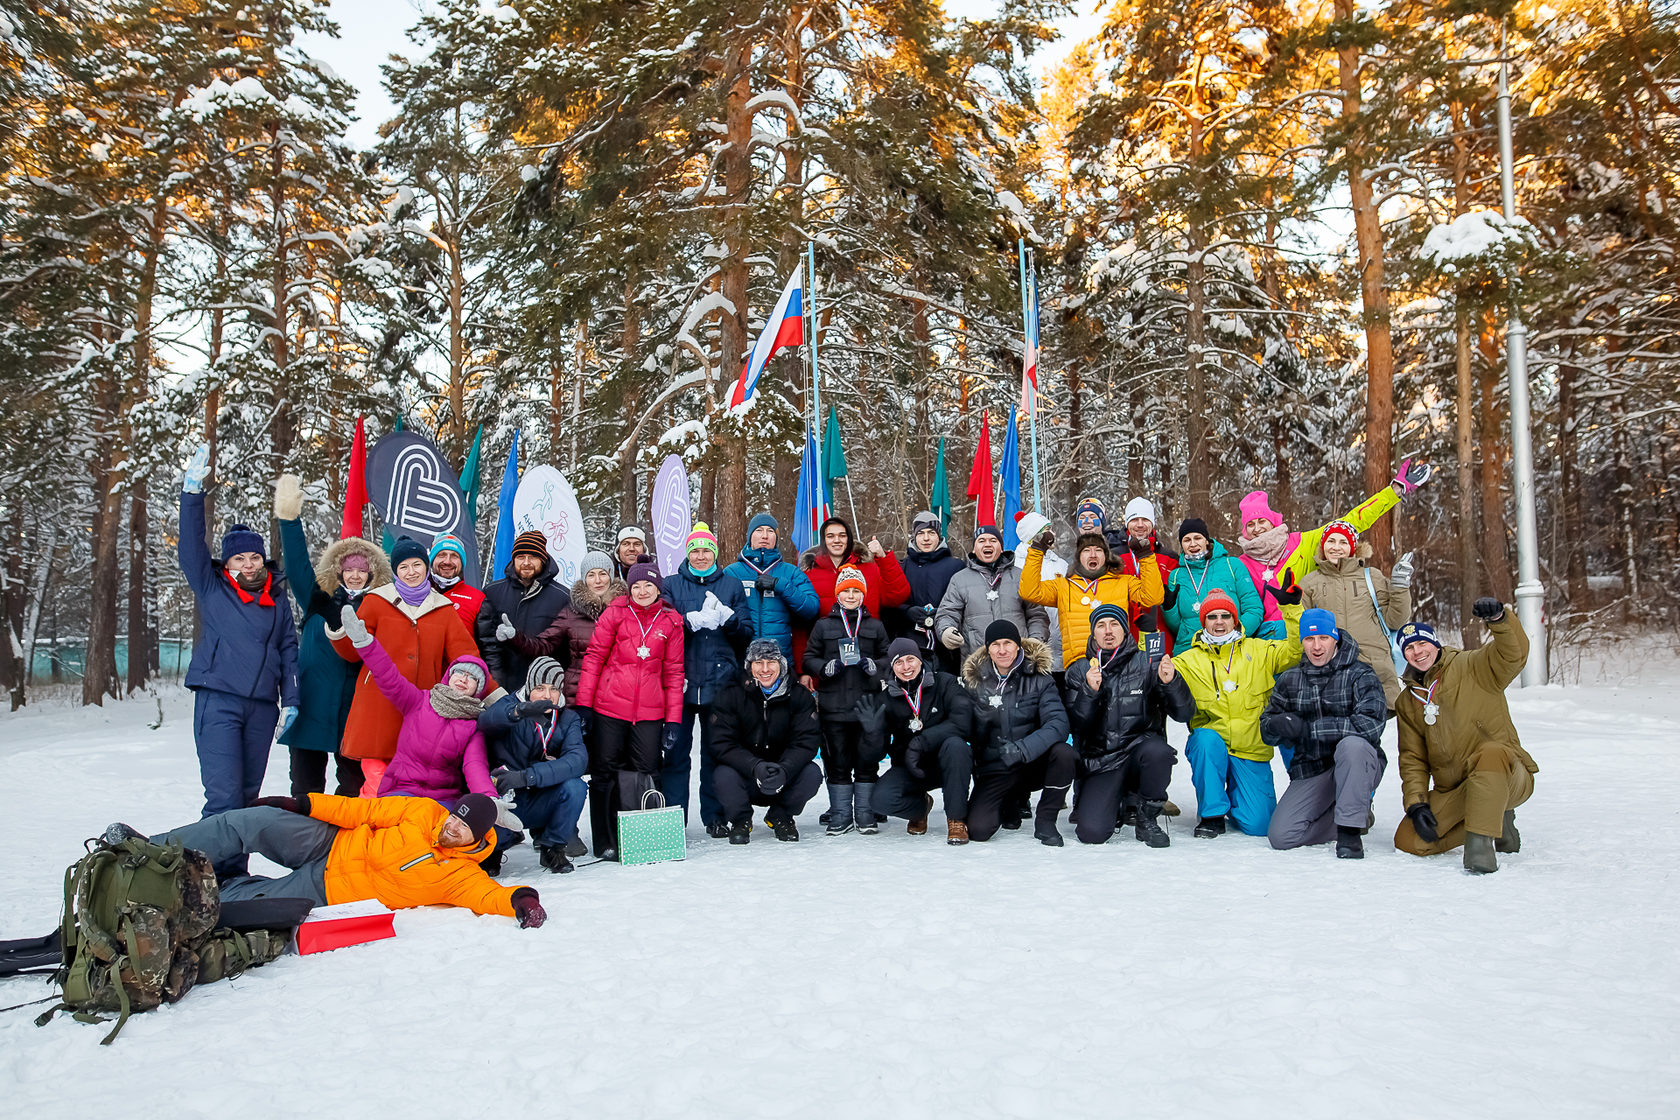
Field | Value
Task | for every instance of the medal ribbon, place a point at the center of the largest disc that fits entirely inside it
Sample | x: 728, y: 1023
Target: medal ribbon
x: 851, y: 631
x: 916, y: 704
x: 1428, y: 697
x: 636, y: 614
x: 546, y: 735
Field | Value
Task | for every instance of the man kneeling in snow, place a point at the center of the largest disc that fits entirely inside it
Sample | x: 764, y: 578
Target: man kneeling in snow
x: 1329, y: 710
x: 402, y: 851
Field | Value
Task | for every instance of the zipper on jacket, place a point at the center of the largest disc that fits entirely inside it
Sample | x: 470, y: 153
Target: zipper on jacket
x: 416, y: 861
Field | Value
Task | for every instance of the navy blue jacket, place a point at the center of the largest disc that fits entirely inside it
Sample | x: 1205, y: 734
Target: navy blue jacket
x: 711, y: 658
x: 772, y: 615
x: 518, y: 744
x: 929, y: 574
x: 246, y: 649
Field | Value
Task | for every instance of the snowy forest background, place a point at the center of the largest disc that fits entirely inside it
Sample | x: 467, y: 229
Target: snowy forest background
x: 1266, y: 235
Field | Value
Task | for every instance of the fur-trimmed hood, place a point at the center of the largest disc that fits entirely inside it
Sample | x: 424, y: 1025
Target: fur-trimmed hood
x: 326, y: 568
x: 1111, y: 562
x: 590, y: 605
x: 1361, y: 558
x: 1036, y: 652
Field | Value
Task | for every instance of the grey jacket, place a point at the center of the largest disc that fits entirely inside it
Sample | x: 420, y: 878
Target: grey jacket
x: 968, y: 607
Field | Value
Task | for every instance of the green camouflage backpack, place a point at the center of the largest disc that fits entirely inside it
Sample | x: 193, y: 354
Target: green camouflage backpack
x: 140, y: 930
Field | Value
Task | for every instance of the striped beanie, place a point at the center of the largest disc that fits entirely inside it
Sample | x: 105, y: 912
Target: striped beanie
x: 531, y: 543
x: 1343, y: 529
x: 701, y: 537
x: 850, y: 577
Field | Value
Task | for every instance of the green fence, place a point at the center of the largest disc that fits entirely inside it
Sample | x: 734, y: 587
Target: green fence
x: 71, y: 655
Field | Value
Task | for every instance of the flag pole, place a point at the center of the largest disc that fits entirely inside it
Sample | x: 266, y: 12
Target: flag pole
x: 816, y: 389
x: 1026, y: 335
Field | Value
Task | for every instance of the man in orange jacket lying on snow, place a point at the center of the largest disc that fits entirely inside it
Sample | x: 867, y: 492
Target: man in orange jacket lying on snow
x: 403, y: 851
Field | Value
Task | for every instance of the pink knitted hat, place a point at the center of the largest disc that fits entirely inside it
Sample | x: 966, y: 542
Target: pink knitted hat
x: 1256, y: 504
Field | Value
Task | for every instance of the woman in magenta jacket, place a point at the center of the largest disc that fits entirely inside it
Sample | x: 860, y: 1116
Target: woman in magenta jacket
x: 631, y: 697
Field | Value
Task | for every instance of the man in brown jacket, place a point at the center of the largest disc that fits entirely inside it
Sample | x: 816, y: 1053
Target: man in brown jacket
x: 1456, y: 736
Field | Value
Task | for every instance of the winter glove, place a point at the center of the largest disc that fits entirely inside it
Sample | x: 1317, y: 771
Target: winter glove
x: 1424, y: 822
x: 871, y: 714
x: 668, y: 742
x: 298, y: 805
x: 1401, y: 576
x: 1288, y: 592
x: 714, y: 608
x: 913, y: 757
x: 288, y: 716
x: 531, y: 709
x: 288, y: 498
x: 587, y: 715
x: 1410, y: 476
x: 1169, y: 599
x: 831, y: 668
x: 1488, y: 609
x: 1044, y: 540
x: 1140, y: 549
x: 869, y: 666
x: 1289, y: 727
x: 354, y: 629
x: 1012, y: 754
x: 765, y: 582
x: 196, y: 470
x: 509, y: 780
x: 527, y: 909
x: 951, y: 637
x: 923, y: 616
x: 505, y: 630
x: 770, y: 778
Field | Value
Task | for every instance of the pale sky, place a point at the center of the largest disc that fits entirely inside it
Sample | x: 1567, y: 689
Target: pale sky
x: 369, y: 30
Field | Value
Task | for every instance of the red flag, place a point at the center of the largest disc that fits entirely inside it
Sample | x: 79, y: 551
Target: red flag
x: 980, y: 476
x: 355, y: 486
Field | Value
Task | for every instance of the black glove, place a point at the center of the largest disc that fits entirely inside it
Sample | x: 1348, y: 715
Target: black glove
x: 1146, y: 623
x: 668, y: 742
x: 1488, y: 610
x: 765, y: 582
x: 1044, y: 540
x: 831, y: 668
x: 913, y: 757
x: 1289, y: 727
x: 1140, y: 549
x: 587, y: 715
x: 1287, y: 592
x: 869, y: 666
x: 1169, y: 598
x: 299, y: 805
x: 871, y: 712
x: 927, y: 613
x: 1012, y: 754
x: 528, y: 909
x: 1424, y: 822
x: 770, y: 778
x: 506, y: 779
x: 531, y: 709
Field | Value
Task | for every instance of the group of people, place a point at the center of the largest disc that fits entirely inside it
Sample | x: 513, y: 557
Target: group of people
x: 986, y: 679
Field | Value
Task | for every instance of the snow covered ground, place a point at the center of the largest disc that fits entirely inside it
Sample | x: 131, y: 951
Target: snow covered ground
x: 893, y: 975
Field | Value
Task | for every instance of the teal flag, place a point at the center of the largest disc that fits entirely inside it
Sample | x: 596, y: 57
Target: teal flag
x: 386, y: 540
x: 833, y: 455
x: 939, y: 500
x: 469, y: 480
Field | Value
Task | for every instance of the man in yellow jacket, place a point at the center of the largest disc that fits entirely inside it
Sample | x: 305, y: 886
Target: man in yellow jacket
x: 1231, y: 677
x: 402, y: 851
x: 1094, y: 578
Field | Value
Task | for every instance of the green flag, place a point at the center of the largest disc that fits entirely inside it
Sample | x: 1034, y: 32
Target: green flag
x: 833, y: 455
x: 939, y: 500
x: 469, y: 479
x: 386, y: 540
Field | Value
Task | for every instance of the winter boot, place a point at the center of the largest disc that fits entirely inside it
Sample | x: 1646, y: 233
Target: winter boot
x: 782, y: 825
x: 1044, y: 821
x: 717, y: 830
x: 1209, y: 827
x: 1370, y: 821
x: 492, y: 863
x: 1129, y: 807
x: 1478, y: 854
x: 840, y: 809
x: 1348, y: 842
x: 1014, y: 813
x: 740, y: 832
x: 1170, y: 808
x: 576, y: 848
x: 863, y: 807
x: 1148, y: 827
x: 918, y: 825
x: 956, y: 832
x: 553, y: 858
x: 1510, y: 840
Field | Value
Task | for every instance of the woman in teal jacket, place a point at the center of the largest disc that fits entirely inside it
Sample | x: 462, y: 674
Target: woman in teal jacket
x: 326, y: 682
x: 1203, y: 565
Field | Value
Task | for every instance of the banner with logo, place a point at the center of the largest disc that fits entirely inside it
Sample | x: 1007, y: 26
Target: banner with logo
x: 419, y: 496
x: 546, y: 502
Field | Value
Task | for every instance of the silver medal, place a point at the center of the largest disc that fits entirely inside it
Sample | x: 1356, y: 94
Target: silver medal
x: 1230, y: 686
x: 1431, y: 712
x: 1085, y: 601
x: 643, y: 652
x: 1196, y: 608
x: 995, y: 701
x: 915, y: 725
x: 991, y: 594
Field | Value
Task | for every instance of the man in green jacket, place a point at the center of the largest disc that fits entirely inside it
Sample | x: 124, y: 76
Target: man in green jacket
x: 1463, y: 771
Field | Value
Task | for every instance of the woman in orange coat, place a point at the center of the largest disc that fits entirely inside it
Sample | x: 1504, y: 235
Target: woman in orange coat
x: 420, y: 629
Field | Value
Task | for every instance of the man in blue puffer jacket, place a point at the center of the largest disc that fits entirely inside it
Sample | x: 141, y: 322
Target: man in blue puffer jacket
x: 539, y: 757
x: 244, y: 670
x: 779, y: 595
x: 716, y: 631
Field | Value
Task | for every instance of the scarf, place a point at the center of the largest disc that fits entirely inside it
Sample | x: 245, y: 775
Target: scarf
x: 1223, y: 639
x: 1268, y: 546
x: 261, y: 597
x: 413, y: 596
x: 706, y: 573
x: 443, y: 584
x: 450, y: 704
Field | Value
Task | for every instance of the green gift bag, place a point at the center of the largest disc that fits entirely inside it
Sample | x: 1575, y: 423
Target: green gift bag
x: 651, y: 835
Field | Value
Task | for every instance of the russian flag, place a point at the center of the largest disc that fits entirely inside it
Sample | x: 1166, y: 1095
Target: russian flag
x: 785, y: 327
x: 1029, y: 356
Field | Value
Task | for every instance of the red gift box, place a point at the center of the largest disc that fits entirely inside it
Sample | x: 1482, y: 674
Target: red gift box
x: 348, y: 923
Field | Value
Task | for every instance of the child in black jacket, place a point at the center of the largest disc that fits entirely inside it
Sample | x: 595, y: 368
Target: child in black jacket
x: 843, y: 658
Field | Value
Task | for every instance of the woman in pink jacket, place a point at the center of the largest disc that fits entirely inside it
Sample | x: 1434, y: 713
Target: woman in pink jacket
x: 440, y: 753
x: 631, y: 696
